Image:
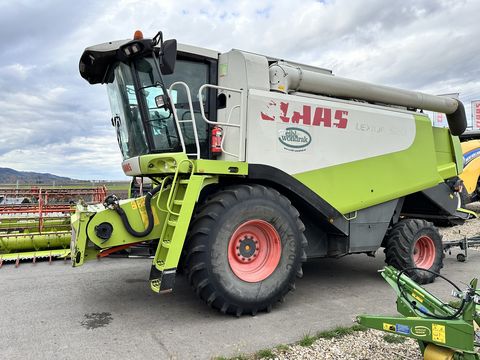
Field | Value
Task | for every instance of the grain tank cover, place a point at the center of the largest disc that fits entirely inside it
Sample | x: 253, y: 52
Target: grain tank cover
x: 287, y: 78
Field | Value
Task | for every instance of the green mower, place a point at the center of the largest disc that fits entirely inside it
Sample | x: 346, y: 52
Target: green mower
x: 443, y: 331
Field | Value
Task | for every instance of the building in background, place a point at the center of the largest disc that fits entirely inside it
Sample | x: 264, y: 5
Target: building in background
x: 439, y: 119
x: 475, y: 111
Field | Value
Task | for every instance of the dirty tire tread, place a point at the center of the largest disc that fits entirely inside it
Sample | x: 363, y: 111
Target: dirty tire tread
x: 399, y: 245
x: 196, y: 255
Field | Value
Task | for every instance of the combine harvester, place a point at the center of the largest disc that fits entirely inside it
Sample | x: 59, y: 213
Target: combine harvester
x: 259, y: 164
x: 35, y: 222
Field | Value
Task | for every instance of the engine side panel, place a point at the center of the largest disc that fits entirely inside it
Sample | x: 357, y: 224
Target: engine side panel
x: 352, y: 155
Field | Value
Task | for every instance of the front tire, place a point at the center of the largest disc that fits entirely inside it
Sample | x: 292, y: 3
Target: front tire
x: 415, y: 243
x: 245, y: 249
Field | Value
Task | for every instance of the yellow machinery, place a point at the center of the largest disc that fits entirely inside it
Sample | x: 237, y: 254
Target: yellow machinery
x: 471, y: 170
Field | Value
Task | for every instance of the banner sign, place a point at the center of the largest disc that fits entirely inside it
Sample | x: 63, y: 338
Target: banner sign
x: 476, y: 114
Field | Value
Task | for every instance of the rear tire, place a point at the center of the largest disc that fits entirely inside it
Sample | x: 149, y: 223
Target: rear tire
x: 415, y: 243
x: 245, y: 249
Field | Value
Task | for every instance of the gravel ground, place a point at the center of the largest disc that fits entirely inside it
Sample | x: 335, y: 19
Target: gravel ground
x: 470, y: 228
x: 361, y: 345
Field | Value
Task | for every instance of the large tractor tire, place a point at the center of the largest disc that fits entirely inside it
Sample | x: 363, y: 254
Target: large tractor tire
x: 245, y: 249
x: 415, y: 243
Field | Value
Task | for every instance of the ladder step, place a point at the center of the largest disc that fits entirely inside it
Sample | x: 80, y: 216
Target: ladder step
x: 178, y: 202
x: 184, y: 182
x: 172, y: 223
x: 155, y: 285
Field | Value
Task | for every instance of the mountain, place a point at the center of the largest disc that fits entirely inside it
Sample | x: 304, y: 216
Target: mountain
x: 11, y: 176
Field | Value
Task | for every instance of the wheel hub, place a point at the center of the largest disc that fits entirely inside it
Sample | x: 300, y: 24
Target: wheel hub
x: 247, y: 249
x: 254, y: 250
x: 424, y: 252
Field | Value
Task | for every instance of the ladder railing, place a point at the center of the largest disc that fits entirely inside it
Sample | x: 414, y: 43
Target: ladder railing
x: 162, y: 277
x: 241, y: 107
x: 178, y: 121
x: 241, y: 146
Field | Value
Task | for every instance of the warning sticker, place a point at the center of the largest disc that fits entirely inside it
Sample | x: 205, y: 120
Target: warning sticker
x: 140, y: 202
x: 140, y: 205
x: 418, y: 296
x: 402, y: 329
x: 388, y: 327
x: 438, y: 333
x: 222, y: 70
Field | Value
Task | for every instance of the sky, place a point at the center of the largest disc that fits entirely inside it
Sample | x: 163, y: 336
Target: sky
x: 52, y: 120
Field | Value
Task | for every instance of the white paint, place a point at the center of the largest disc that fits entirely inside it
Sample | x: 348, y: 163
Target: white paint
x: 131, y: 166
x: 370, y: 131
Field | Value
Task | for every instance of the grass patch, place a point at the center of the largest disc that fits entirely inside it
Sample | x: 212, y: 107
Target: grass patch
x: 358, y: 327
x: 340, y: 331
x: 282, y: 348
x: 394, y: 339
x: 265, y: 354
x: 238, y: 357
x: 307, y: 340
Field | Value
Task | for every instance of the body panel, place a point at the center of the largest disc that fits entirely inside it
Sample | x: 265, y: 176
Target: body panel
x: 471, y: 170
x: 371, y: 181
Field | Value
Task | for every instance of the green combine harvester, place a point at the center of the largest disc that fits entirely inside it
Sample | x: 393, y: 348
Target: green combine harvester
x: 443, y: 331
x: 259, y: 164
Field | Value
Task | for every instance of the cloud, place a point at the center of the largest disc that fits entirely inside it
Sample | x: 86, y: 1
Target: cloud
x: 81, y: 157
x: 53, y: 121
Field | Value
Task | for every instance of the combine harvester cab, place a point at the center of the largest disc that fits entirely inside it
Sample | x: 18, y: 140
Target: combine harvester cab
x: 258, y: 164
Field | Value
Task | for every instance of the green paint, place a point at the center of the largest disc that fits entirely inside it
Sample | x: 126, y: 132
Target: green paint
x: 447, y: 149
x: 32, y: 225
x: 34, y: 241
x: 222, y: 69
x: 162, y: 164
x: 360, y: 184
x: 28, y: 255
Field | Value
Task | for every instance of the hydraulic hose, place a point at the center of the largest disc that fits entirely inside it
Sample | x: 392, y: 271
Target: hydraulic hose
x: 455, y: 315
x: 112, y: 203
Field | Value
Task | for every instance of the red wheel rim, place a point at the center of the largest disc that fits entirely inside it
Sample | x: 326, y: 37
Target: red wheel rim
x: 254, y: 250
x: 424, y: 252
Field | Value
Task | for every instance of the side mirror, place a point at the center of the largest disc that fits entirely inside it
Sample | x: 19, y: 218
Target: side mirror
x: 168, y: 56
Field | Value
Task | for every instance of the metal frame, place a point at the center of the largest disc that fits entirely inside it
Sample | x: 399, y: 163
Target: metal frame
x: 191, y: 120
x: 241, y: 126
x: 241, y: 147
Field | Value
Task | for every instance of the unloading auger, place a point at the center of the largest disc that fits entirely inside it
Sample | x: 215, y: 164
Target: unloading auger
x: 443, y: 331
